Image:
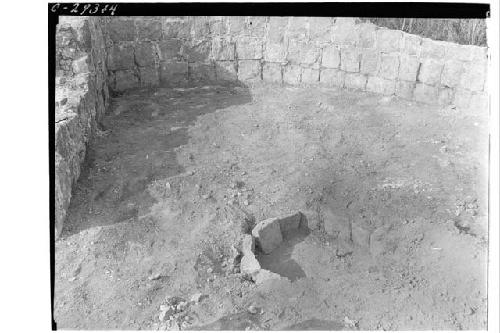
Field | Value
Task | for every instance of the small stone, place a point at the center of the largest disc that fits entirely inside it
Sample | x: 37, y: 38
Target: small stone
x: 210, y: 270
x: 246, y: 203
x: 268, y: 234
x: 196, y: 298
x: 253, y: 309
x: 71, y: 279
x: 155, y: 276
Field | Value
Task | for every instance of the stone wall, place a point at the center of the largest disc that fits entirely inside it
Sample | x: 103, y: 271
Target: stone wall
x: 341, y: 52
x: 81, y: 99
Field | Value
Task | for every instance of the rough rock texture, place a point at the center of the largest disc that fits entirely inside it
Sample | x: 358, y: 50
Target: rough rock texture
x: 267, y: 234
x: 81, y: 100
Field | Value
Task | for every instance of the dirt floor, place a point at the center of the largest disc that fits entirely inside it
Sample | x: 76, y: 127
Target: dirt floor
x: 177, y: 176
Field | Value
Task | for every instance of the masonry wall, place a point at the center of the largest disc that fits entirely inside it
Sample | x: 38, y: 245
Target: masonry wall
x: 81, y: 100
x: 341, y: 52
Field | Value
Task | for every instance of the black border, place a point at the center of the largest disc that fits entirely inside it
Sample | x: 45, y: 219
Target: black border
x: 317, y: 9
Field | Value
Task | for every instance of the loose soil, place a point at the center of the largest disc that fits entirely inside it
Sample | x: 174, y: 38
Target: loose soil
x: 175, y: 177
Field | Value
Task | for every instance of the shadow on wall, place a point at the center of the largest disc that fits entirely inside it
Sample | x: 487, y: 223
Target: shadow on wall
x: 129, y: 165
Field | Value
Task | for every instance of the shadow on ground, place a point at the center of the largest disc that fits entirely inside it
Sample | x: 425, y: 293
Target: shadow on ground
x: 136, y: 147
x: 280, y: 261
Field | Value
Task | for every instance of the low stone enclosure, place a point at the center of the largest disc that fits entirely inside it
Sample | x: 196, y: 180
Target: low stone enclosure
x: 99, y: 57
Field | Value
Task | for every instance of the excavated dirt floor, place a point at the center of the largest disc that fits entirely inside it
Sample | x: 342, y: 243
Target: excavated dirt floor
x: 175, y: 177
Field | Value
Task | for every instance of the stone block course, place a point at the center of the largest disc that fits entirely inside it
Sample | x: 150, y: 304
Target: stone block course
x: 149, y: 29
x: 310, y: 76
x: 145, y: 54
x: 226, y: 71
x: 355, y: 81
x: 344, y: 32
x: 302, y: 52
x: 412, y: 44
x: 120, y: 57
x: 432, y: 49
x: 330, y: 57
x: 349, y: 59
x: 170, y: 49
x: 249, y: 70
x: 380, y: 85
x: 177, y: 29
x: 197, y: 51
x: 275, y: 52
x: 367, y: 33
x: 297, y: 27
x: 149, y: 77
x: 452, y: 72
x: 462, y: 98
x: 389, y: 40
x: 332, y: 77
x: 473, y: 77
x: 292, y: 74
x: 125, y: 80
x: 271, y: 72
x: 172, y: 73
x: 249, y: 48
x: 121, y: 30
x: 430, y: 71
x: 389, y: 66
x: 222, y: 49
x: 404, y: 89
x: 277, y: 29
x: 201, y: 72
x: 369, y: 61
x: 408, y: 68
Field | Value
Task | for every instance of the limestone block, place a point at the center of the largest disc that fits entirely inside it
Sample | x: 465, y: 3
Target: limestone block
x: 445, y: 96
x: 380, y: 86
x: 277, y: 29
x: 149, y: 76
x: 332, y: 77
x: 249, y: 48
x: 432, y: 49
x: 369, y: 62
x: 292, y: 74
x: 349, y: 59
x: 310, y: 75
x: 458, y: 52
x: 462, y: 98
x: 474, y: 76
x: 121, y: 30
x: 223, y: 49
x: 121, y: 57
x: 426, y: 94
x: 197, y: 51
x: 126, y: 79
x: 389, y: 40
x: 170, y: 49
x: 367, y: 35
x: 355, y: 81
x: 408, y: 67
x: 297, y: 27
x: 236, y: 25
x: 172, y: 73
x: 452, y: 73
x: 149, y: 29
x: 275, y: 52
x: 377, y: 242
x: 430, y: 71
x: 218, y: 27
x: 271, y: 72
x: 226, y: 70
x: 201, y: 72
x: 389, y: 66
x: 267, y: 235
x: 330, y: 57
x: 177, y: 29
x: 320, y: 28
x: 249, y: 70
x: 411, y: 44
x: 344, y: 32
x: 302, y: 52
x: 404, y: 89
x: 145, y: 54
x: 200, y: 27
x: 255, y: 26
x: 289, y: 222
